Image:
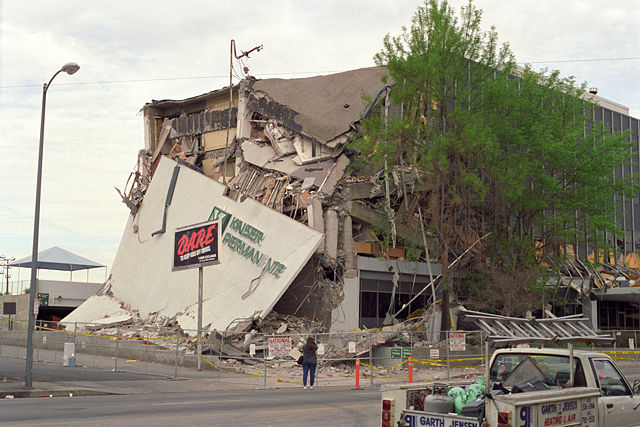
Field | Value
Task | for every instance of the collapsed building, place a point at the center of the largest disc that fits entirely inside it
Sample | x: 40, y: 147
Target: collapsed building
x: 268, y: 159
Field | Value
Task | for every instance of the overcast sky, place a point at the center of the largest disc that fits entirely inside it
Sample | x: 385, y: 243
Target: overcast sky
x: 131, y: 52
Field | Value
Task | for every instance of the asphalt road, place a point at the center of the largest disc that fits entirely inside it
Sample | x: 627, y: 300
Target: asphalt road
x: 280, y: 407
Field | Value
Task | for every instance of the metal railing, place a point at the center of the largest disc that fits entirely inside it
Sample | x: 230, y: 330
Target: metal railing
x: 15, y: 287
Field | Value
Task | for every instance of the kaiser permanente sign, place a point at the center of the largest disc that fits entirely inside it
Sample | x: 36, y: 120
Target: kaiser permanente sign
x: 246, y: 240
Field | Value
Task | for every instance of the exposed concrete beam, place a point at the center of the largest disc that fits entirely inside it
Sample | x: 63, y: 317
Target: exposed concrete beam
x: 361, y: 190
x: 364, y: 213
x: 335, y: 173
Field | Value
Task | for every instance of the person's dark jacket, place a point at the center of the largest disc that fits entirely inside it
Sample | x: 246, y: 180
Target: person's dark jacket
x: 309, y: 355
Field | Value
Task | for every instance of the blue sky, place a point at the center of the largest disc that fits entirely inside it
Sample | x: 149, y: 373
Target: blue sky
x: 93, y: 126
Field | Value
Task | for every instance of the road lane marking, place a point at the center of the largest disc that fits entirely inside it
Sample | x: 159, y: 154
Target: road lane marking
x: 182, y: 417
x: 199, y: 402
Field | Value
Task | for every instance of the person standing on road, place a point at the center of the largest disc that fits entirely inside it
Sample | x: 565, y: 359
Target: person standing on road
x: 309, y: 362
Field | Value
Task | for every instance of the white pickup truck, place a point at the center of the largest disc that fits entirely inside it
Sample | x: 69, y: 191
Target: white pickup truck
x: 573, y: 388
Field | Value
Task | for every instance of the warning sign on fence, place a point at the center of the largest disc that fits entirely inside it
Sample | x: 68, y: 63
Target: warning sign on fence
x: 400, y: 352
x: 279, y: 346
x: 457, y: 341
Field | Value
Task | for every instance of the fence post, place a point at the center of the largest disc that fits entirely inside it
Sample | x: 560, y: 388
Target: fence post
x: 315, y: 339
x: 371, y: 358
x: 115, y: 366
x: 264, y: 355
x: 38, y: 347
x: 96, y: 340
x: 175, y: 373
x: 54, y: 346
x: 199, y: 348
x: 220, y: 358
x: 482, y: 351
x: 486, y: 365
x: 411, y: 352
x: 146, y: 353
x: 357, y: 373
x: 446, y: 342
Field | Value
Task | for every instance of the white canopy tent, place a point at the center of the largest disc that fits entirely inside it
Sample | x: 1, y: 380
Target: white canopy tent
x: 56, y: 258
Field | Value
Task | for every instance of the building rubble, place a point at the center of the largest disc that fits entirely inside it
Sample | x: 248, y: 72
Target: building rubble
x: 281, y: 143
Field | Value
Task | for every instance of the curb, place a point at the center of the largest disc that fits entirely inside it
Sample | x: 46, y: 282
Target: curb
x: 20, y: 394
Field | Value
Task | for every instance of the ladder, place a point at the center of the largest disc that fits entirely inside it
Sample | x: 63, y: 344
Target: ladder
x: 515, y: 330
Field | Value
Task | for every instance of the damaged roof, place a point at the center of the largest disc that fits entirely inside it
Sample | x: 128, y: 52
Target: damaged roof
x: 322, y: 107
x: 168, y: 103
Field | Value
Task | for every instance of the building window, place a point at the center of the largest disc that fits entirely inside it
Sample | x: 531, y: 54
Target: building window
x: 375, y: 299
x: 618, y: 315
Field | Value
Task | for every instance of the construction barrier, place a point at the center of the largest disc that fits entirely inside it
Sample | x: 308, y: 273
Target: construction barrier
x: 410, y: 370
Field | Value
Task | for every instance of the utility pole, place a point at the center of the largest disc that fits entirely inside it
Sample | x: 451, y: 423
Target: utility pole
x: 4, y: 264
x: 232, y: 54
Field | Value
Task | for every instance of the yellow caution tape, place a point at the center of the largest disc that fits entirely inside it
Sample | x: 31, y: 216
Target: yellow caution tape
x: 619, y: 352
x: 88, y: 334
x: 465, y: 359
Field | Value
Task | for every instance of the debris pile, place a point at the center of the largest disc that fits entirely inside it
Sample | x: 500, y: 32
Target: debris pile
x: 602, y: 276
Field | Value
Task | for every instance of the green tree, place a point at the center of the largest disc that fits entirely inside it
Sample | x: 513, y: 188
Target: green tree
x: 446, y: 72
x: 499, y: 150
x: 559, y: 179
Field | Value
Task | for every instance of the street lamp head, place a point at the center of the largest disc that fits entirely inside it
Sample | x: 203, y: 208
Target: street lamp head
x: 70, y: 67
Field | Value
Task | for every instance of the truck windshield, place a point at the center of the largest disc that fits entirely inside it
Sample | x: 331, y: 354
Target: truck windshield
x: 552, y: 370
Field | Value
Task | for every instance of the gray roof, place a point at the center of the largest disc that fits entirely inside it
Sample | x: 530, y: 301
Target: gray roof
x: 323, y: 107
x: 56, y: 258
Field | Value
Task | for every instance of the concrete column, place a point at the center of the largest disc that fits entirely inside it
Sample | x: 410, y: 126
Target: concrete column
x: 316, y: 219
x: 243, y: 128
x: 150, y: 128
x: 331, y: 233
x: 347, y: 244
x: 594, y: 315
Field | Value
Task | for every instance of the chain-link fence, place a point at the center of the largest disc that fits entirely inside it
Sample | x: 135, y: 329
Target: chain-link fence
x: 264, y: 360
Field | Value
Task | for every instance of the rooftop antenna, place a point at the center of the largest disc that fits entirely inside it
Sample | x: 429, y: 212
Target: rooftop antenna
x: 233, y: 53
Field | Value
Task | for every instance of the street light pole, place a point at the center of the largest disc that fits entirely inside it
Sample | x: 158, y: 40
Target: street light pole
x: 69, y: 68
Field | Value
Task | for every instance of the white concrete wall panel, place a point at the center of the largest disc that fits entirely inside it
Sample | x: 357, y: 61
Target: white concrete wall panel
x: 142, y: 275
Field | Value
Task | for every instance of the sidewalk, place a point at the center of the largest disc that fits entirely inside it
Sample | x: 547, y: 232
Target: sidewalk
x: 52, y: 380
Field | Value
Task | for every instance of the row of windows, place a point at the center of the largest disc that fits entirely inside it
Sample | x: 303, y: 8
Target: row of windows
x: 619, y: 315
x: 375, y: 300
x: 629, y: 217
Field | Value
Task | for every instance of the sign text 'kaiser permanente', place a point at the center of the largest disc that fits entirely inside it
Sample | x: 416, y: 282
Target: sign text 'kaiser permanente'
x: 196, y: 245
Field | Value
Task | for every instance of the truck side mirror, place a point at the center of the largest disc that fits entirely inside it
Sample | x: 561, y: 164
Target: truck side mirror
x: 636, y: 387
